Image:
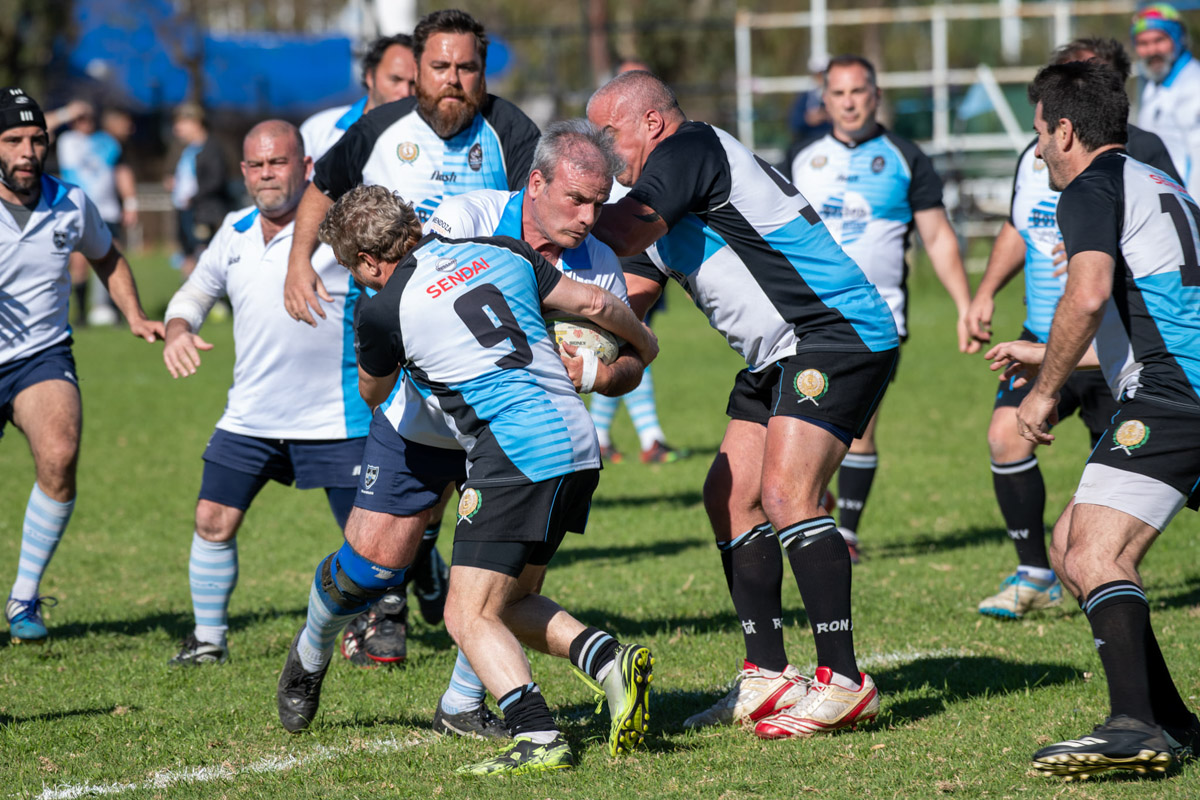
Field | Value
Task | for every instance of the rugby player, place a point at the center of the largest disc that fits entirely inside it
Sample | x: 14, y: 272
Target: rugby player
x: 1170, y: 104
x: 474, y: 340
x: 1131, y: 239
x: 316, y: 438
x: 388, y: 73
x: 872, y: 188
x: 820, y: 346
x: 452, y: 137
x: 1030, y: 239
x: 43, y: 221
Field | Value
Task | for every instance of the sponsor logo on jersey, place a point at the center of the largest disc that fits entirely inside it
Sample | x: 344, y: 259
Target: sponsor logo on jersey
x: 371, y: 476
x: 444, y: 177
x: 469, y: 505
x: 408, y: 152
x: 461, y: 276
x: 1131, y: 435
x: 441, y: 225
x: 877, y: 164
x: 811, y: 385
x: 60, y: 239
x: 818, y: 162
x: 475, y: 157
x: 445, y: 264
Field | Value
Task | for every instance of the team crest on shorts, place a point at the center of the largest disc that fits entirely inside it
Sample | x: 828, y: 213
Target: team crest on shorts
x: 819, y: 161
x: 475, y: 157
x: 1130, y: 435
x: 469, y: 505
x: 408, y: 152
x: 811, y: 385
x: 371, y: 476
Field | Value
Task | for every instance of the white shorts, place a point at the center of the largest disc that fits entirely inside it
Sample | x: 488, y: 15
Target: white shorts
x: 1152, y: 501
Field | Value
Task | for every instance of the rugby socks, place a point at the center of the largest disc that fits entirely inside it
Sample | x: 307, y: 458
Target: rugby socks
x: 326, y: 615
x: 754, y: 574
x: 644, y: 412
x: 45, y: 521
x: 603, y: 410
x: 1120, y: 620
x: 526, y: 714
x: 854, y: 485
x: 1021, y: 493
x: 593, y: 652
x: 212, y: 574
x: 821, y: 563
x: 465, y: 692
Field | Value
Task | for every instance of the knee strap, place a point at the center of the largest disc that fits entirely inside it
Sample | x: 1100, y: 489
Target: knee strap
x: 343, y: 591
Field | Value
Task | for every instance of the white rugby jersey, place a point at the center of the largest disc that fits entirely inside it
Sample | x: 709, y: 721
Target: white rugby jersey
x: 753, y: 254
x: 289, y: 381
x: 393, y: 146
x: 866, y: 194
x: 323, y: 129
x: 464, y: 317
x: 1149, y: 341
x: 493, y: 213
x: 1171, y: 109
x: 1033, y: 214
x: 35, y: 286
x: 89, y: 160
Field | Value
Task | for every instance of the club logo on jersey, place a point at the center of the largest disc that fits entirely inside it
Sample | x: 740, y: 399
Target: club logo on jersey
x: 1038, y: 165
x: 818, y: 162
x: 475, y: 157
x: 811, y: 385
x: 877, y: 164
x: 408, y: 152
x: 469, y: 505
x: 446, y: 264
x: 371, y: 476
x: 60, y: 239
x: 1131, y: 435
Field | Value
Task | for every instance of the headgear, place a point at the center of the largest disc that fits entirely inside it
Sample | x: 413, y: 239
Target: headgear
x: 18, y: 109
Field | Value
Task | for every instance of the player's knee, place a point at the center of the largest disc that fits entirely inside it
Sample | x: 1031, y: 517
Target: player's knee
x: 1004, y: 443
x: 215, y: 522
x: 55, y: 465
x: 352, y: 582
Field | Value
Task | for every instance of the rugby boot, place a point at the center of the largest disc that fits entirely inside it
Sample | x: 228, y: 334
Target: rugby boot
x: 1019, y: 594
x: 195, y: 653
x: 524, y: 755
x: 478, y: 723
x: 1122, y: 742
x: 826, y: 708
x: 299, y: 692
x: 753, y: 697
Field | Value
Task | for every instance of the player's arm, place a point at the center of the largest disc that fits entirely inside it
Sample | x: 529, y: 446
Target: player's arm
x: 127, y: 190
x: 188, y: 309
x: 629, y: 227
x: 1078, y: 316
x: 1005, y: 261
x: 302, y: 288
x: 941, y: 244
x: 606, y: 310
x: 113, y: 271
x: 376, y: 389
x: 1021, y: 360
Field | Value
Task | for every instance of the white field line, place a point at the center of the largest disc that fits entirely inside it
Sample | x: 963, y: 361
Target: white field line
x: 187, y: 775
x: 190, y: 775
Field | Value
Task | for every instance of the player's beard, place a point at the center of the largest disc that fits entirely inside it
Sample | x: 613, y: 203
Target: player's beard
x: 1157, y: 68
x: 447, y: 123
x: 24, y: 184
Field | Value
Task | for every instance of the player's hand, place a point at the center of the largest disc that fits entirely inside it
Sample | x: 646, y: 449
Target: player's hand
x: 966, y: 342
x: 1036, y: 415
x: 979, y: 319
x: 303, y: 290
x: 1020, y: 361
x: 1060, y: 258
x: 572, y: 362
x: 148, y: 329
x: 181, y: 354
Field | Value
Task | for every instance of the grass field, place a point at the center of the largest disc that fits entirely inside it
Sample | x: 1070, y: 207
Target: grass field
x: 966, y: 699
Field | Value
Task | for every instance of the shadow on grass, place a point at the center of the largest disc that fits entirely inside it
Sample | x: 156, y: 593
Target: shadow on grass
x: 174, y: 624
x: 572, y: 552
x: 930, y: 543
x: 684, y: 499
x: 948, y: 679
x: 60, y: 715
x: 1182, y: 595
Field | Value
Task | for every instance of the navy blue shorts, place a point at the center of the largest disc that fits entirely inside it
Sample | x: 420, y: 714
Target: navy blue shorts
x: 402, y: 477
x: 236, y: 467
x: 55, y: 363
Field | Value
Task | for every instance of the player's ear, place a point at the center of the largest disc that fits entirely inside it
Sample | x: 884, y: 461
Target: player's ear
x: 308, y: 168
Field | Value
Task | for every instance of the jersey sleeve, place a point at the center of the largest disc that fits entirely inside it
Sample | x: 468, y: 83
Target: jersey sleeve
x: 341, y: 168
x: 683, y: 175
x: 1149, y: 149
x: 212, y: 272
x: 642, y: 266
x: 518, y: 137
x: 1016, y: 176
x: 452, y: 219
x: 1090, y: 216
x: 377, y: 339
x: 924, y: 186
x: 96, y: 240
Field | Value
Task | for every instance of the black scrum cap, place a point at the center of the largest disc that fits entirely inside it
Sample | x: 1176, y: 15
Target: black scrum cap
x: 18, y: 108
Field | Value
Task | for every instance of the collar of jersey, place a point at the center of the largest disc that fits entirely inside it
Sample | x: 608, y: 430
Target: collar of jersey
x: 53, y: 190
x: 576, y: 258
x: 244, y: 224
x: 879, y: 131
x: 1180, y: 63
x: 352, y: 115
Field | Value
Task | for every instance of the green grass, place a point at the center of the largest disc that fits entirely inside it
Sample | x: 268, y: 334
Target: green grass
x: 966, y: 699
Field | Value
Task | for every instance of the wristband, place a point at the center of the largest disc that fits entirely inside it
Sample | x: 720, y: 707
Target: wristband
x: 129, y: 204
x: 587, y: 381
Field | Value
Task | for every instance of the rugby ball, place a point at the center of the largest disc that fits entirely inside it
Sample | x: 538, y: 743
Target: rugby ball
x: 585, y: 334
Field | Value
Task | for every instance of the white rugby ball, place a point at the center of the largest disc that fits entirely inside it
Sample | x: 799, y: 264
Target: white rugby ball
x: 582, y: 333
